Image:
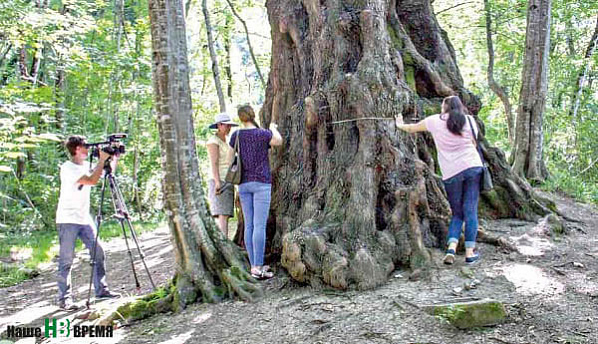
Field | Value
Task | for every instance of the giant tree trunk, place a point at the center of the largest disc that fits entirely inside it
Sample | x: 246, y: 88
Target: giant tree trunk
x: 528, y: 158
x: 205, y: 260
x: 355, y: 199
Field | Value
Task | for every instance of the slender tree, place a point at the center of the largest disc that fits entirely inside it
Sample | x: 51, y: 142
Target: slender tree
x: 528, y: 158
x: 253, y: 58
x: 213, y: 55
x: 494, y: 86
x: 583, y: 75
x: 205, y: 260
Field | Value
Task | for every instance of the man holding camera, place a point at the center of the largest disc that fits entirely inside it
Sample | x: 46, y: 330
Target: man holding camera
x: 74, y: 220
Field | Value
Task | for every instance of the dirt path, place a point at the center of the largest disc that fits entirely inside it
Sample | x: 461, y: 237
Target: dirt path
x: 551, y: 288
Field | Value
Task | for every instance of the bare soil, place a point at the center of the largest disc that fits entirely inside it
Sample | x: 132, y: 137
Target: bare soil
x: 550, y: 288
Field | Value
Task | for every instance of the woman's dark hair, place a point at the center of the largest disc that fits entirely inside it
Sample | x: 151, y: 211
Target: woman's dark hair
x: 455, y: 110
x: 246, y: 114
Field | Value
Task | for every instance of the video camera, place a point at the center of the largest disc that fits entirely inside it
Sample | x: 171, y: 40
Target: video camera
x: 112, y: 145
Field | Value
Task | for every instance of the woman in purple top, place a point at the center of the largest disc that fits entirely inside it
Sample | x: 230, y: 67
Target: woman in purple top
x: 256, y: 184
x: 461, y: 169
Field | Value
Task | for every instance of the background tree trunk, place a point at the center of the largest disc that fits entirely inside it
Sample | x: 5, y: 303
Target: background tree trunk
x: 354, y: 200
x: 227, y: 32
x: 528, y: 158
x: 494, y: 86
x: 255, y: 63
x: 582, y: 77
x: 206, y: 261
x: 213, y: 56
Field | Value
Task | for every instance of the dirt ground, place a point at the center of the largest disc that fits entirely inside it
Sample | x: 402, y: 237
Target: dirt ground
x: 550, y: 288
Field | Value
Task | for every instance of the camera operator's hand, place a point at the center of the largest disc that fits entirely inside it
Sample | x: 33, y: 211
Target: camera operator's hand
x: 104, y: 156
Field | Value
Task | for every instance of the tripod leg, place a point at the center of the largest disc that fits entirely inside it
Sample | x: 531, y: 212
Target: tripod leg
x: 119, y: 214
x: 122, y: 225
x: 95, y: 242
x: 126, y: 217
x: 134, y: 236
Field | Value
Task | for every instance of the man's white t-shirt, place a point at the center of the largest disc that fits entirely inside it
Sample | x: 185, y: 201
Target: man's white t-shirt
x: 73, y: 204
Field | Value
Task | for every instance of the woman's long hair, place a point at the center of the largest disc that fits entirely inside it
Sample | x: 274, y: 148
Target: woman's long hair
x: 246, y: 114
x: 455, y: 109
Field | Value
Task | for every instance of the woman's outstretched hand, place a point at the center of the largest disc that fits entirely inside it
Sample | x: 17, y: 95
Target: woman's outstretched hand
x: 399, y: 120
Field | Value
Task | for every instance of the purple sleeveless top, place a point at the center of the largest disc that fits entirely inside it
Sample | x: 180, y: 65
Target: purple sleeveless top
x: 254, y: 145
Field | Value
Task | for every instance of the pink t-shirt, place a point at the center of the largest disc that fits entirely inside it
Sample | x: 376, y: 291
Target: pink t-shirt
x: 456, y: 153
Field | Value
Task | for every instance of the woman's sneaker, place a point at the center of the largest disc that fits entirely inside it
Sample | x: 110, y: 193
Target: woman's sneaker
x: 473, y: 259
x: 449, y: 257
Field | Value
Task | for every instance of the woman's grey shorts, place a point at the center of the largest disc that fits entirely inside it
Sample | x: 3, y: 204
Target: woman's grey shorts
x: 222, y: 204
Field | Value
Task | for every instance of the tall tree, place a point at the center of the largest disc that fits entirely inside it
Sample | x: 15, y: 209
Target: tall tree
x: 583, y: 75
x: 251, y: 53
x: 528, y: 158
x: 494, y: 85
x: 205, y: 260
x: 213, y: 55
x: 227, y: 32
x: 353, y: 198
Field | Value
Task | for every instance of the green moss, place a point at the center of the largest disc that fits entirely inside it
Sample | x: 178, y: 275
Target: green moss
x: 449, y: 314
x: 409, y: 75
x: 431, y: 108
x: 495, y: 203
x: 396, y: 42
x: 471, y: 314
x: 419, y: 260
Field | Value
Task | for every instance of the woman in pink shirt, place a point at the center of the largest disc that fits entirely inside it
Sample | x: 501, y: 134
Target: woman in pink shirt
x: 461, y: 169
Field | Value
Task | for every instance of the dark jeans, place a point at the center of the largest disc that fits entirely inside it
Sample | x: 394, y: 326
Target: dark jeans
x: 463, y: 192
x: 67, y: 235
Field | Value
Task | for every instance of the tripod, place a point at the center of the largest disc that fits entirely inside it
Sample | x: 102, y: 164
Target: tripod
x: 122, y: 215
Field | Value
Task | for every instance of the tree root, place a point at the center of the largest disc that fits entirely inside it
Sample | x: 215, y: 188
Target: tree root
x: 236, y: 281
x: 500, y: 241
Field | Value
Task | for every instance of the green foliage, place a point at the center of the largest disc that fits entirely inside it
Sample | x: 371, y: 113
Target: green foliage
x: 570, y: 149
x: 11, y: 275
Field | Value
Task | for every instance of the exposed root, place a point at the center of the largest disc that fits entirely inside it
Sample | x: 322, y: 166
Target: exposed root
x: 240, y: 283
x: 500, y: 241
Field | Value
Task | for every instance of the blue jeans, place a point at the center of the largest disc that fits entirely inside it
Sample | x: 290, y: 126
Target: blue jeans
x: 255, y: 201
x: 463, y: 192
x: 67, y: 236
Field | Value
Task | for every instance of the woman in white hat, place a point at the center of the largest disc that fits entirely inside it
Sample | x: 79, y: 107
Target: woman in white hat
x: 221, y: 199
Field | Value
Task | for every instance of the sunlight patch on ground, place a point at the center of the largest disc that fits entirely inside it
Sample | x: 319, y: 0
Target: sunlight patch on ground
x: 532, y: 246
x: 27, y: 315
x: 201, y: 318
x: 180, y: 339
x: 530, y: 280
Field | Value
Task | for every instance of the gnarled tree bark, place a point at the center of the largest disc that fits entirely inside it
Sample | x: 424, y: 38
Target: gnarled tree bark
x: 353, y: 200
